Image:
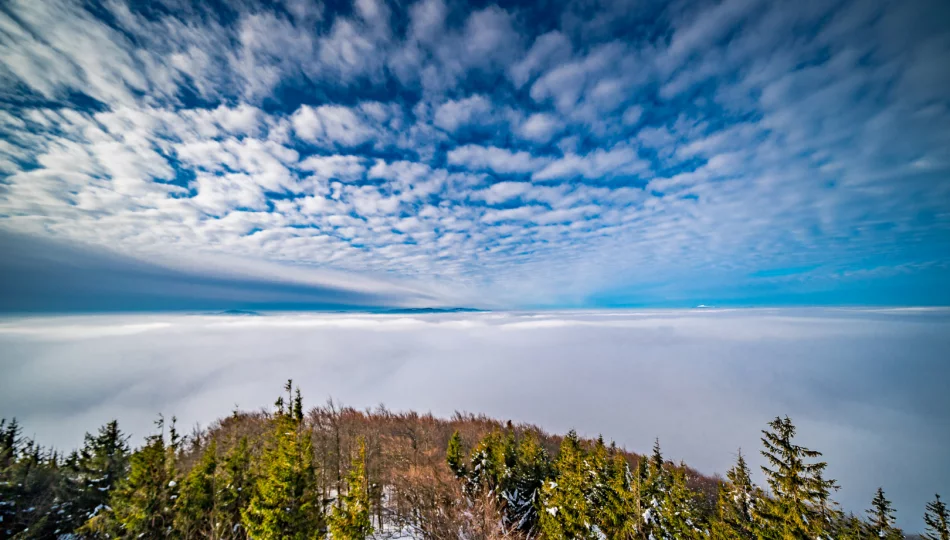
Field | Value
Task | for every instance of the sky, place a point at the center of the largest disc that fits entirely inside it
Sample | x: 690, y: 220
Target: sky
x: 865, y: 387
x: 293, y: 154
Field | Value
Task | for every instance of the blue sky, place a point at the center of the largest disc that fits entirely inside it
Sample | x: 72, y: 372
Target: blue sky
x: 296, y: 154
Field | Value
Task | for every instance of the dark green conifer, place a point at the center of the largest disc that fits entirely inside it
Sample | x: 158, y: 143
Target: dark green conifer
x: 937, y: 520
x: 286, y: 503
x: 489, y: 466
x: 454, y: 456
x: 522, y: 495
x: 617, y: 506
x: 800, y: 497
x: 235, y: 486
x: 738, y: 498
x: 195, y: 506
x: 143, y: 504
x: 881, y: 522
x: 849, y: 527
x: 96, y: 470
x: 350, y: 517
x: 566, y: 509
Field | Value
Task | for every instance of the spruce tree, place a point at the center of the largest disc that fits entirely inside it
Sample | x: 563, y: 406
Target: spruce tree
x: 489, y: 466
x: 195, y: 506
x: 653, y: 483
x: 235, y: 486
x: 937, y: 520
x: 143, y: 504
x: 669, y: 509
x: 34, y: 498
x: 286, y: 502
x: 567, y: 512
x: 800, y: 497
x: 454, y: 456
x: 881, y: 522
x: 523, y: 489
x: 849, y: 528
x: 680, y: 518
x: 617, y: 506
x: 9, y: 490
x: 737, y: 501
x: 350, y: 517
x: 99, y: 466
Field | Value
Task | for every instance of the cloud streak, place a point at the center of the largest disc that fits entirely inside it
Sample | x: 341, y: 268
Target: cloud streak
x: 717, y: 141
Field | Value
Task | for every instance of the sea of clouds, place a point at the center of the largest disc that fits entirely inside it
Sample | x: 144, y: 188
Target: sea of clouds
x: 866, y: 387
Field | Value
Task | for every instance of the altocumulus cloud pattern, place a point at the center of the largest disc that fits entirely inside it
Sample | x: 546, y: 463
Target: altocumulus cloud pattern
x: 528, y: 154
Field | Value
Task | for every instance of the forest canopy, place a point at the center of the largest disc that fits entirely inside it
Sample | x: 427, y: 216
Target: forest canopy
x: 336, y: 472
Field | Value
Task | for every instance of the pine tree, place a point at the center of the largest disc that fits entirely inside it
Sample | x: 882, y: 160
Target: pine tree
x: 849, y: 528
x: 653, y: 485
x: 143, y: 504
x: 286, y: 502
x: 567, y: 512
x: 350, y: 518
x: 195, y: 506
x: 937, y: 520
x: 235, y: 486
x: 680, y: 518
x: 523, y: 489
x: 881, y: 514
x: 737, y: 501
x: 489, y: 466
x: 34, y: 497
x: 99, y: 466
x: 454, y: 456
x: 9, y: 493
x: 669, y: 506
x: 617, y: 505
x: 800, y: 493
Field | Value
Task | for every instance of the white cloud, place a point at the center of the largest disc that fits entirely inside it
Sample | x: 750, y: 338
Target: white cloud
x: 471, y: 111
x: 540, y: 127
x: 329, y: 125
x: 767, y: 149
x: 599, y: 163
x: 501, y: 192
x: 499, y: 160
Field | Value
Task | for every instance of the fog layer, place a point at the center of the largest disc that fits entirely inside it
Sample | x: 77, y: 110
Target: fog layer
x: 867, y: 387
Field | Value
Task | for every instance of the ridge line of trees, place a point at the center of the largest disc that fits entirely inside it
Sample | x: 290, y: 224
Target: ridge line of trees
x: 343, y: 474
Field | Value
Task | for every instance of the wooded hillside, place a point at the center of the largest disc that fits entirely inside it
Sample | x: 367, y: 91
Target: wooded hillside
x: 342, y: 473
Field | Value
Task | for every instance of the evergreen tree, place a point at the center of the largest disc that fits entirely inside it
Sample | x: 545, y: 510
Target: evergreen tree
x: 567, y: 511
x: 143, y: 504
x: 454, y: 456
x: 522, y: 494
x: 195, y: 506
x: 100, y: 464
x: 9, y: 492
x: 617, y: 505
x: 286, y: 502
x: 849, y: 528
x: 669, y: 506
x: 680, y: 518
x: 881, y: 524
x: 34, y: 498
x: 737, y: 501
x: 350, y: 518
x: 653, y: 482
x: 800, y: 493
x: 490, y: 462
x: 505, y: 472
x: 235, y: 486
x: 937, y: 520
